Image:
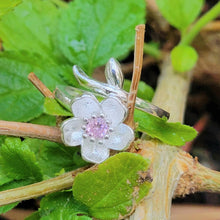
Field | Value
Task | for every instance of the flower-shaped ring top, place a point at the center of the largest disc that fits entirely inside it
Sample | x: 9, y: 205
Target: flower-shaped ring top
x: 97, y: 127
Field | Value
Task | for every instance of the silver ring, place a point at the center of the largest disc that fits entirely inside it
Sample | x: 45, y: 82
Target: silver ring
x: 98, y: 126
x: 115, y: 80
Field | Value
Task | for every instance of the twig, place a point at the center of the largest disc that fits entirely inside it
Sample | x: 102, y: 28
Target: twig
x: 64, y: 181
x: 44, y: 90
x: 40, y: 86
x: 30, y: 130
x: 138, y: 60
x: 212, y: 26
x: 199, y: 127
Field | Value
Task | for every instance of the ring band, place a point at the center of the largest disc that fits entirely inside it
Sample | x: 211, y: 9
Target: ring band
x: 64, y: 94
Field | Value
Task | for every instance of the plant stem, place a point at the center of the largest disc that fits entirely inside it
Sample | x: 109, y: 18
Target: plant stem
x: 195, y: 177
x: 171, y: 95
x: 209, y: 180
x: 30, y: 130
x: 40, y: 86
x: 174, y: 172
x: 172, y: 90
x: 64, y: 181
x: 138, y: 60
x: 152, y: 51
x: 209, y: 16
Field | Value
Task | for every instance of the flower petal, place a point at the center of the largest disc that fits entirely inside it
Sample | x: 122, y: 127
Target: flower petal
x: 93, y: 151
x: 72, y: 131
x: 85, y: 106
x: 114, y: 110
x: 120, y: 138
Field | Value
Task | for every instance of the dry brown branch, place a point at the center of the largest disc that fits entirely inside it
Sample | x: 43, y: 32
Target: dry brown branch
x: 138, y: 60
x: 40, y: 86
x: 212, y: 26
x: 171, y: 95
x: 30, y: 130
x: 64, y: 181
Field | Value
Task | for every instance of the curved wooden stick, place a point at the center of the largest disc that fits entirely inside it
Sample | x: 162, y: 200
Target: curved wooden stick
x: 40, y: 86
x: 20, y: 129
x: 64, y: 181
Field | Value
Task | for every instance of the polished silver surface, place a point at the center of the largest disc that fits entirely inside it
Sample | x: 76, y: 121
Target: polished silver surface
x: 113, y: 73
x: 64, y: 94
x: 104, y: 89
x: 99, y: 112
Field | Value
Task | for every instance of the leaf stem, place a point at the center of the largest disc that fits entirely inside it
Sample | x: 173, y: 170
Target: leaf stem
x: 40, y: 86
x: 138, y: 61
x: 62, y: 182
x: 209, y: 16
x: 152, y: 51
x: 30, y: 130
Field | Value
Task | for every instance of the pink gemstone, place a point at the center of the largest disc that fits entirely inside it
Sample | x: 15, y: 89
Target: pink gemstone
x: 97, y: 127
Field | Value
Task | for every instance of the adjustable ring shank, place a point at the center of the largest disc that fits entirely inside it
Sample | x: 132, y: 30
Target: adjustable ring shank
x: 65, y: 95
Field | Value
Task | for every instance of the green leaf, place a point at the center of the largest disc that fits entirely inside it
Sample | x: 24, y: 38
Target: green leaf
x: 6, y: 6
x: 6, y: 208
x: 53, y: 157
x: 62, y: 205
x: 180, y: 13
x: 33, y: 216
x: 2, y: 139
x: 29, y: 27
x: 175, y: 134
x: 19, y: 99
x: 145, y: 91
x: 3, y: 176
x: 44, y: 120
x: 104, y: 29
x: 114, y: 187
x: 183, y: 58
x: 18, y: 162
x: 66, y: 214
x: 52, y: 107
